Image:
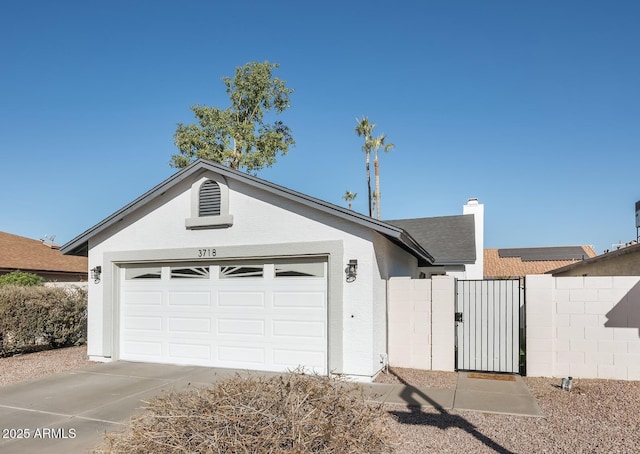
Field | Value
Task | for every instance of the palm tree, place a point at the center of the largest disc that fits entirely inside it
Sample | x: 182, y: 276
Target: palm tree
x: 376, y: 144
x: 364, y: 129
x: 349, y: 196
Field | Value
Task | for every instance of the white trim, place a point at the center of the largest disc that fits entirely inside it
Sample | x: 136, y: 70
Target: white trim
x: 332, y: 250
x: 207, y: 222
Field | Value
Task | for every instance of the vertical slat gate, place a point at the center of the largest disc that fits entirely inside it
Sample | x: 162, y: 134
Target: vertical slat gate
x: 488, y: 323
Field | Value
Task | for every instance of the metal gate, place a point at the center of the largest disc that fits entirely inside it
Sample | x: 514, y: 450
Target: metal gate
x: 489, y: 325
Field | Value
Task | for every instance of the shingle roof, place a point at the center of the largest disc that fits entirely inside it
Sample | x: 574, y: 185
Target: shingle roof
x: 449, y: 239
x: 25, y: 254
x: 517, y: 262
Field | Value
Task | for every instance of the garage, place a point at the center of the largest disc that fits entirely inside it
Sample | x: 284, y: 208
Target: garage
x: 268, y: 315
x: 218, y: 268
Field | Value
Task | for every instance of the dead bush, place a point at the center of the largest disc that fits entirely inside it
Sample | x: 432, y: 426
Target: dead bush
x: 290, y: 413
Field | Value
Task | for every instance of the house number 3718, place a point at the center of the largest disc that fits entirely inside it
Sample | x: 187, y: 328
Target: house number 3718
x: 207, y: 252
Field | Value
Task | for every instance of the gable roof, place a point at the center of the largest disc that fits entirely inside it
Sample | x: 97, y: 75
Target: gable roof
x: 450, y: 239
x: 25, y: 254
x: 79, y: 245
x: 518, y: 262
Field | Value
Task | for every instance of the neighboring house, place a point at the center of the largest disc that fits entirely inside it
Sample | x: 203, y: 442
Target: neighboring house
x: 455, y: 242
x: 215, y: 267
x: 519, y: 262
x: 622, y: 262
x: 18, y: 253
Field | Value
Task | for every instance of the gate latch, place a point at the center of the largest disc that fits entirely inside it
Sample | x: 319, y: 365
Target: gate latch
x: 458, y: 316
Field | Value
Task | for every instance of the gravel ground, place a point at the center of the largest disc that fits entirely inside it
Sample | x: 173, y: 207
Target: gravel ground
x: 597, y: 416
x: 414, y: 377
x: 19, y: 368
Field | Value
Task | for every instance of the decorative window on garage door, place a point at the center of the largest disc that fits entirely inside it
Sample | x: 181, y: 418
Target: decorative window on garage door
x: 241, y: 271
x: 190, y: 272
x: 299, y: 269
x: 147, y: 272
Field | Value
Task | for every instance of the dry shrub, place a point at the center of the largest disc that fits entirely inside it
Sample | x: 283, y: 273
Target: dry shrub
x: 290, y: 413
x: 38, y: 318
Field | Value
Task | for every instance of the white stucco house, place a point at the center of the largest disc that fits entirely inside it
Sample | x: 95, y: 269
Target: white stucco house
x: 215, y: 267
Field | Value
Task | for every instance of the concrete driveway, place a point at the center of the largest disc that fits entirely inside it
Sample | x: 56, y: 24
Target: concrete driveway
x: 70, y: 412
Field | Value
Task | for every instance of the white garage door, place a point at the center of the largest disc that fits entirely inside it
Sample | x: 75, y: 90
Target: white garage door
x: 247, y: 315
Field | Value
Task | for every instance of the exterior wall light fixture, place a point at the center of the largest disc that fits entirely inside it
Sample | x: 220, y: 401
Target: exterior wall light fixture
x: 351, y: 270
x: 95, y: 273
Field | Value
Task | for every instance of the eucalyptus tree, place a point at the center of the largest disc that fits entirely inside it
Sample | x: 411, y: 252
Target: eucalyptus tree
x: 364, y: 129
x: 349, y: 197
x: 239, y: 136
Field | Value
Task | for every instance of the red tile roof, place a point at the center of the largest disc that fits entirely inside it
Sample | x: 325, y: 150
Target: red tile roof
x: 512, y: 267
x: 25, y: 254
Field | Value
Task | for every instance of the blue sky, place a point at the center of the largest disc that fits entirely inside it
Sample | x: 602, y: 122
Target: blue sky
x: 532, y: 107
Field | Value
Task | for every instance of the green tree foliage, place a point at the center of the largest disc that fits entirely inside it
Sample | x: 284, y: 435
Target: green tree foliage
x: 364, y: 129
x: 239, y: 136
x: 21, y: 279
x: 349, y: 197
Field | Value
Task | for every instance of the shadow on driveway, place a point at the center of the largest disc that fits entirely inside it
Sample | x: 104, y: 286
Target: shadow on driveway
x: 442, y: 420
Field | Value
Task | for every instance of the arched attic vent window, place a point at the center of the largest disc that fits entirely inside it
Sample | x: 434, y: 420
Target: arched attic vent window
x: 209, y: 199
x: 209, y: 204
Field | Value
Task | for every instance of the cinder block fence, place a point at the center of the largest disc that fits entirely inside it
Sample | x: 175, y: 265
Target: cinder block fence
x: 585, y: 327
x: 421, y: 323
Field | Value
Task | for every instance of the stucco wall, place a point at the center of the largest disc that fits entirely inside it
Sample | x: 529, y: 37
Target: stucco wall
x: 266, y: 223
x: 390, y: 261
x: 585, y: 327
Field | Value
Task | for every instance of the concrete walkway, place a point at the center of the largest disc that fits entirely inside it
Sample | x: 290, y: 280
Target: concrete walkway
x: 489, y: 393
x: 70, y: 412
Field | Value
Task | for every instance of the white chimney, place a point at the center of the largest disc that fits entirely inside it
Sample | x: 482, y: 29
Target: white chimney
x: 476, y: 271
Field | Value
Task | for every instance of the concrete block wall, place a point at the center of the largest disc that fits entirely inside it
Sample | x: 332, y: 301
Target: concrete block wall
x: 585, y: 327
x: 409, y: 322
x: 443, y: 340
x: 421, y: 323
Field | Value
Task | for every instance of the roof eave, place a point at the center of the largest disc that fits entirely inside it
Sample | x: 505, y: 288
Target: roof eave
x: 444, y: 262
x: 80, y: 244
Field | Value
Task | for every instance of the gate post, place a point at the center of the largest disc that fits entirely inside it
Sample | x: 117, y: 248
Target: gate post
x: 540, y: 312
x: 443, y: 298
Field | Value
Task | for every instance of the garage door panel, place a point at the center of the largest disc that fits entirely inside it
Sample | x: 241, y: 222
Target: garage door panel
x: 288, y: 300
x: 143, y: 323
x: 178, y: 351
x: 185, y: 325
x: 142, y: 349
x: 143, y: 298
x: 238, y: 299
x: 237, y: 355
x: 289, y: 359
x: 240, y: 327
x: 261, y: 323
x: 185, y: 300
x: 296, y: 329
